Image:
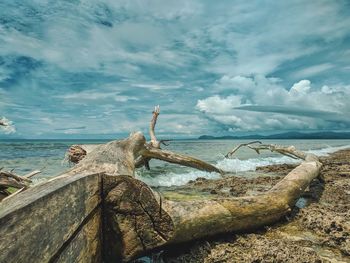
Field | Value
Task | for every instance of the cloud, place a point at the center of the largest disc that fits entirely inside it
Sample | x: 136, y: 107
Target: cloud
x: 312, y: 70
x: 7, y: 126
x: 153, y: 86
x: 303, y: 86
x: 215, y: 104
x: 95, y: 95
x: 104, y: 64
x: 274, y: 107
x: 71, y: 128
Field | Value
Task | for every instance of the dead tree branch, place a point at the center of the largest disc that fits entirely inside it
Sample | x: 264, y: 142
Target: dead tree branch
x: 162, y: 222
x: 257, y: 146
x: 11, y: 180
x: 151, y: 150
x: 154, y: 141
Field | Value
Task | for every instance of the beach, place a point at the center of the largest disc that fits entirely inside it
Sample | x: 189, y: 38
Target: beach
x: 317, y: 229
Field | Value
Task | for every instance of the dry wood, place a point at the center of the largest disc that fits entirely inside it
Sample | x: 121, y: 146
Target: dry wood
x: 60, y: 219
x: 138, y: 220
x: 155, y: 222
x: 154, y: 142
x: 10, y: 179
x: 151, y: 150
x: 180, y: 159
x: 46, y: 222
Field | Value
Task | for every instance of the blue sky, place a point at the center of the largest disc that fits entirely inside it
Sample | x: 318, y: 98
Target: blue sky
x: 95, y: 69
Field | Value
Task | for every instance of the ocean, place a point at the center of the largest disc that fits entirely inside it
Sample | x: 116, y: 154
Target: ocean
x: 49, y: 156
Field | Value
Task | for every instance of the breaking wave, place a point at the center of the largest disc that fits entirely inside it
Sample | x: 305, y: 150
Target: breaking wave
x: 230, y: 165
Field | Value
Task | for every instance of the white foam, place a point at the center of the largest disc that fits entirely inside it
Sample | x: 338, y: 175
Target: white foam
x: 237, y: 165
x: 229, y: 165
x: 176, y: 179
x: 328, y: 150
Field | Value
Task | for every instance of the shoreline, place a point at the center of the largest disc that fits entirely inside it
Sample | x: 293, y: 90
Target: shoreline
x: 317, y: 229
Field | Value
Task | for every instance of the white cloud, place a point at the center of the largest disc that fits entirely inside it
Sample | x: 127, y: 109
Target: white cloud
x: 215, y: 104
x: 95, y: 95
x: 303, y: 86
x: 157, y: 86
x: 7, y: 126
x: 313, y: 70
x: 93, y: 62
x: 273, y: 107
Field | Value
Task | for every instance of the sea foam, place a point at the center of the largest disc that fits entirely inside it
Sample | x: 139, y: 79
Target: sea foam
x: 230, y: 165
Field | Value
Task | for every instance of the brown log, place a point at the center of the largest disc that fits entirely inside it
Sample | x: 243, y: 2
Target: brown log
x: 152, y: 150
x: 137, y: 220
x: 143, y: 221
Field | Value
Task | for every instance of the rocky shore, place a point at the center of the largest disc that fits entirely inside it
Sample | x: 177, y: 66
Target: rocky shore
x: 317, y: 229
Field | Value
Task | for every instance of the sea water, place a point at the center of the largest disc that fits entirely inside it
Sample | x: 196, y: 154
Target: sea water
x: 48, y: 156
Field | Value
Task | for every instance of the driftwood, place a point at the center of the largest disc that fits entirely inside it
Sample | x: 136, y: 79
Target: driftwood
x: 56, y: 221
x: 133, y: 218
x: 138, y: 220
x: 150, y: 150
x: 10, y: 179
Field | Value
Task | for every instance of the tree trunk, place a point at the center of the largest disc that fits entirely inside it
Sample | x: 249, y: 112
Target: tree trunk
x: 137, y: 219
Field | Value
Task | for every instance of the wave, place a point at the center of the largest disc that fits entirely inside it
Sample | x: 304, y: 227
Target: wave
x: 328, y: 150
x: 230, y: 165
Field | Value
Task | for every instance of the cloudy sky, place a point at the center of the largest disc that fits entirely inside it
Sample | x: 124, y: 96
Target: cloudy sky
x: 95, y: 69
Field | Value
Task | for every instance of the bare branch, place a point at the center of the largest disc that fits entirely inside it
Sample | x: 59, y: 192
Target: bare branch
x: 16, y: 177
x: 9, y: 179
x: 239, y: 146
x: 31, y: 174
x: 176, y: 158
x: 154, y: 142
x: 289, y: 151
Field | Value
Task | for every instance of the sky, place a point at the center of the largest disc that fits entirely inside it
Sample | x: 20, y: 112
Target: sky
x: 96, y: 69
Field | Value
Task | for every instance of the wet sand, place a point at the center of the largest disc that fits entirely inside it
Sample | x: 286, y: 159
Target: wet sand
x: 317, y: 229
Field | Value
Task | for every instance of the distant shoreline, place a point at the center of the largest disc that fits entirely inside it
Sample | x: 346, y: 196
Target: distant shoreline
x: 279, y: 136
x: 284, y: 136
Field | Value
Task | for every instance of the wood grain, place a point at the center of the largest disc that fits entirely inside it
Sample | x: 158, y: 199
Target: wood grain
x: 36, y: 223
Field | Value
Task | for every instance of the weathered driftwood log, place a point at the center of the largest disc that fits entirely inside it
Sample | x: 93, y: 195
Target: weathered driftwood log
x: 134, y: 218
x: 137, y: 220
x: 151, y: 150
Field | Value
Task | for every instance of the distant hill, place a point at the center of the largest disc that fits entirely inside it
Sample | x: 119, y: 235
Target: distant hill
x: 286, y: 135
